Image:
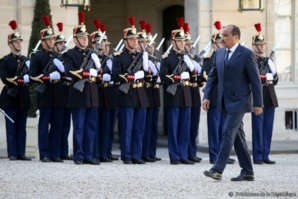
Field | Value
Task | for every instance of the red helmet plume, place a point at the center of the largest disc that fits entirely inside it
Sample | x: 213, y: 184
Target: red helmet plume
x: 217, y: 25
x: 81, y: 17
x: 186, y: 28
x: 97, y: 23
x: 143, y: 24
x: 132, y: 21
x: 60, y: 26
x: 103, y: 27
x: 46, y: 21
x: 13, y: 24
x: 149, y: 28
x: 180, y: 22
x: 258, y: 27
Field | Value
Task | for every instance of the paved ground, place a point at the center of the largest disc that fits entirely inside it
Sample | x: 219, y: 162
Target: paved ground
x: 153, y: 180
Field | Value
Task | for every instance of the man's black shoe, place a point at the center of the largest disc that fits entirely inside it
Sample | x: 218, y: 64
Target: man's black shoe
x: 66, y: 157
x: 24, y: 158
x: 230, y: 161
x: 57, y: 159
x: 269, y: 162
x: 195, y: 159
x: 12, y: 158
x: 258, y: 162
x: 78, y: 162
x: 105, y: 159
x: 186, y: 161
x: 113, y: 158
x: 175, y: 162
x: 156, y: 158
x: 137, y: 161
x: 244, y: 177
x: 213, y: 174
x: 46, y: 159
x: 92, y: 161
x: 148, y: 159
x: 127, y: 161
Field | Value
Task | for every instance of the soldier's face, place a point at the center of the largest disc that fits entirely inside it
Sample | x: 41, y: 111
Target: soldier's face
x: 131, y: 43
x: 259, y: 49
x: 142, y: 45
x: 216, y: 46
x: 151, y: 48
x: 15, y: 45
x: 178, y: 45
x: 188, y: 46
x: 81, y: 41
x: 48, y: 43
x: 59, y: 46
x: 107, y: 49
x: 228, y: 40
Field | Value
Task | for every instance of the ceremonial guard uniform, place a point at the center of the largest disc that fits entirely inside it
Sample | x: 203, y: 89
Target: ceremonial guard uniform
x: 131, y: 97
x: 82, y: 66
x: 177, y: 97
x: 50, y: 96
x: 262, y: 125
x: 196, y: 81
x: 15, y: 98
x: 152, y: 112
x: 60, y: 47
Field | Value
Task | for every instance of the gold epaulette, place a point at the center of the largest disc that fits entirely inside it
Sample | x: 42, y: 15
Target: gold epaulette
x: 13, y: 80
x: 208, y: 56
x: 37, y: 78
x: 76, y: 73
x: 117, y: 53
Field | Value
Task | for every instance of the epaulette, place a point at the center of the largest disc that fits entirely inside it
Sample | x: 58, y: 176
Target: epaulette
x: 208, y: 56
x: 117, y: 53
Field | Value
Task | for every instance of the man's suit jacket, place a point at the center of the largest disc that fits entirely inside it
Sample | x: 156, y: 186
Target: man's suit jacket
x: 237, y: 80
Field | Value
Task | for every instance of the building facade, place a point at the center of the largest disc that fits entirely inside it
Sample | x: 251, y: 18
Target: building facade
x: 279, y: 19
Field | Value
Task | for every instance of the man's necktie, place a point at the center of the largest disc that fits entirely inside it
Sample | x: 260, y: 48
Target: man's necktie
x: 227, y: 56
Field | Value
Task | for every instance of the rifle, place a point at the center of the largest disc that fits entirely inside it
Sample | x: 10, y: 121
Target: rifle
x: 137, y: 64
x: 118, y: 45
x: 194, y: 44
x: 79, y: 85
x: 159, y: 45
x: 173, y: 87
x: 6, y: 115
x: 21, y: 71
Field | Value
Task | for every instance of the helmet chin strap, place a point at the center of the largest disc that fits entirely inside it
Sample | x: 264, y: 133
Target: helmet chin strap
x: 177, y: 46
x: 18, y: 51
x: 79, y: 43
x: 48, y: 45
x: 259, y: 50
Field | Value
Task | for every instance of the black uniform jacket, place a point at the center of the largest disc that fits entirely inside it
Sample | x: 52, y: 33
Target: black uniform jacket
x: 8, y: 69
x: 136, y: 97
x: 182, y: 97
x: 73, y: 60
x: 269, y: 95
x: 54, y: 92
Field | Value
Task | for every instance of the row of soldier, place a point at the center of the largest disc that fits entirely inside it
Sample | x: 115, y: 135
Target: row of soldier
x: 93, y: 87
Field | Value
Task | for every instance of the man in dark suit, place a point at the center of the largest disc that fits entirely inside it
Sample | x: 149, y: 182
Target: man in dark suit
x: 235, y: 71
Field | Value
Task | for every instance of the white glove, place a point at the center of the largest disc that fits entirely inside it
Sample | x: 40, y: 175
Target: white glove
x: 106, y: 77
x: 198, y: 66
x: 269, y: 76
x: 96, y: 61
x: 272, y: 66
x: 188, y: 62
x: 185, y: 75
x: 109, y: 64
x: 27, y: 63
x: 69, y: 78
x: 145, y: 61
x: 152, y: 67
x: 59, y: 65
x: 92, y: 72
x: 158, y: 66
x: 139, y: 75
x: 55, y: 75
x: 26, y: 78
x: 158, y: 80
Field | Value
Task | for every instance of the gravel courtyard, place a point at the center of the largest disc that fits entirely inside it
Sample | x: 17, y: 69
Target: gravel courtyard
x: 19, y: 179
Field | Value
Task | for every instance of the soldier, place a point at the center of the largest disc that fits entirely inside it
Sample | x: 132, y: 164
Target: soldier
x: 175, y: 72
x: 215, y: 119
x: 262, y: 125
x: 113, y: 108
x: 129, y: 68
x: 59, y: 46
x: 46, y: 70
x: 152, y: 112
x: 82, y: 65
x: 196, y: 81
x: 15, y: 98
